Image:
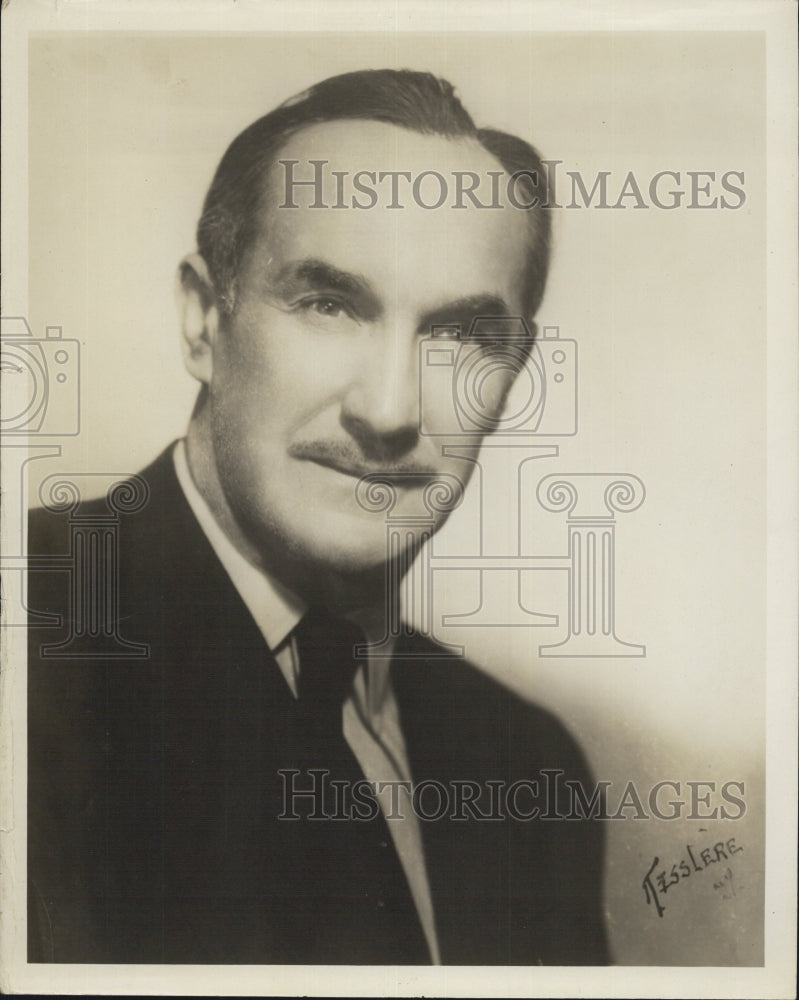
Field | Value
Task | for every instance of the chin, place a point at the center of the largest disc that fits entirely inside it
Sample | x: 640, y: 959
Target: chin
x: 354, y: 544
x: 347, y: 546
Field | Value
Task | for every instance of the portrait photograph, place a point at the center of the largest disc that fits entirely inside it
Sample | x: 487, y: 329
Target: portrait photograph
x: 399, y: 499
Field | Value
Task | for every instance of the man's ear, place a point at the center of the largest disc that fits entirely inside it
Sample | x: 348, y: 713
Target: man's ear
x: 199, y: 316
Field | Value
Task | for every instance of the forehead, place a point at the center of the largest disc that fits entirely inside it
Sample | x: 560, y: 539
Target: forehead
x: 410, y: 251
x: 353, y: 144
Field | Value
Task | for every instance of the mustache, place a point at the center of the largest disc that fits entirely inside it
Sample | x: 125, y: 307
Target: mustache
x: 346, y: 457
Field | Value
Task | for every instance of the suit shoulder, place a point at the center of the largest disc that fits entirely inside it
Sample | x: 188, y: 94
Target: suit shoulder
x: 477, y: 705
x: 133, y: 501
x: 48, y: 530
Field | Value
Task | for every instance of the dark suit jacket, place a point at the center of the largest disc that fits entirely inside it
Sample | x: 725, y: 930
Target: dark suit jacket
x: 153, y: 785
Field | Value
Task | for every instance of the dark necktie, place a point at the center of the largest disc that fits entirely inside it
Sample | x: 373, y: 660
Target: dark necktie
x: 364, y: 911
x: 326, y: 647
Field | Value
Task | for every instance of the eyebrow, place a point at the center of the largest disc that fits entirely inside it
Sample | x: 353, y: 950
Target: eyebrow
x: 470, y: 307
x: 319, y: 275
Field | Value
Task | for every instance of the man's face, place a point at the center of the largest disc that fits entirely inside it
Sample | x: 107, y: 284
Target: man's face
x: 316, y: 375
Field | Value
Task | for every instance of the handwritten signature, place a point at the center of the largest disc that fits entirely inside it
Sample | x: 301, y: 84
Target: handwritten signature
x: 657, y: 884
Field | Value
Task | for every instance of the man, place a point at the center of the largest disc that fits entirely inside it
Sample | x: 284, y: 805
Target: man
x: 246, y: 793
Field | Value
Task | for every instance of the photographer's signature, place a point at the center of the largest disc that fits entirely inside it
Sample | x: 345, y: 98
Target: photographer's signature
x: 659, y: 880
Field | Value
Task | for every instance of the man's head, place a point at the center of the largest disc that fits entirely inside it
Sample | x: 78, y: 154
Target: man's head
x: 304, y: 310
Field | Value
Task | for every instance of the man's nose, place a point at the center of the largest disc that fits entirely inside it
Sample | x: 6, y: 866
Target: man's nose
x: 381, y: 405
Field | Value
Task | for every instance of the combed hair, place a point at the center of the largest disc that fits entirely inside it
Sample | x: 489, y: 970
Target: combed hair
x: 416, y: 101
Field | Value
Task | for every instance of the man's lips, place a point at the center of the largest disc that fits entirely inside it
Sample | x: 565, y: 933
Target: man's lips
x: 341, y: 459
x: 357, y: 470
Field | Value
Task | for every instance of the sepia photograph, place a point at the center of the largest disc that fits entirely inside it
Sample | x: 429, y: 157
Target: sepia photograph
x: 399, y: 499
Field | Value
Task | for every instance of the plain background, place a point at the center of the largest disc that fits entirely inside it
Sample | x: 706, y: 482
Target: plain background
x: 668, y: 308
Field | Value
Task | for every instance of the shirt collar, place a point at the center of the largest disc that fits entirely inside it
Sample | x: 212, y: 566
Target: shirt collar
x: 275, y: 608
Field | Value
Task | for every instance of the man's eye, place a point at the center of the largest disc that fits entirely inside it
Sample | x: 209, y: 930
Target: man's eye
x: 326, y: 305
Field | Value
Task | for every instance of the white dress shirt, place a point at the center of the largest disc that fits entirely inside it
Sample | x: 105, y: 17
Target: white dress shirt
x: 370, y: 717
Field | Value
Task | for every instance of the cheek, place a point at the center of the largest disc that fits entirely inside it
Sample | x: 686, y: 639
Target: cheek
x: 481, y: 385
x: 251, y: 379
x: 241, y: 399
x: 270, y: 381
x: 243, y: 361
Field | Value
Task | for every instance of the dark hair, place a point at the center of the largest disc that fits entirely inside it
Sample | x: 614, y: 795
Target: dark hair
x: 419, y: 102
